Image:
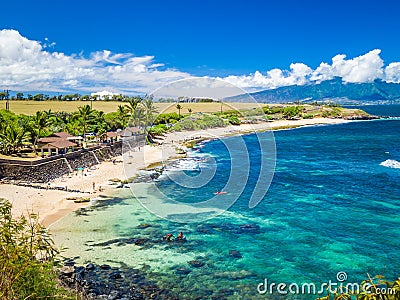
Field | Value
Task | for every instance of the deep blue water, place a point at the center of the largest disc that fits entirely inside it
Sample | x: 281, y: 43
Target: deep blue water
x: 333, y: 206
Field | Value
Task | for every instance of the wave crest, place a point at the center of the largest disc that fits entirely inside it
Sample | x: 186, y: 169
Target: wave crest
x: 391, y: 163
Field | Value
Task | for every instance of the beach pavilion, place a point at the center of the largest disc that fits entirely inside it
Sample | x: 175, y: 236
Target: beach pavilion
x: 63, y: 145
x: 111, y: 136
x: 59, y: 142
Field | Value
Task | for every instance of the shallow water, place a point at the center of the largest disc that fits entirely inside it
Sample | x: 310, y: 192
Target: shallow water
x: 333, y: 206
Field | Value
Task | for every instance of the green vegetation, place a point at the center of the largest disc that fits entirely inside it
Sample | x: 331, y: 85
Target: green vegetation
x: 234, y: 120
x: 272, y: 110
x: 27, y: 259
x: 169, y: 118
x: 375, y: 288
x: 199, y: 122
x: 20, y: 133
x: 157, y: 130
x: 290, y: 112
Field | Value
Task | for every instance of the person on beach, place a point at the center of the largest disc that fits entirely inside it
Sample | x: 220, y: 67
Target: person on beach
x: 94, y: 186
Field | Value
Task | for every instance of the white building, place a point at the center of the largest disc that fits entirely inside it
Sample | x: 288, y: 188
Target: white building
x: 103, y: 95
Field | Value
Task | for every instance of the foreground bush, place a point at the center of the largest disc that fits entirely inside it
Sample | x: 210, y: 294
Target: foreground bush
x: 27, y: 259
x: 376, y: 288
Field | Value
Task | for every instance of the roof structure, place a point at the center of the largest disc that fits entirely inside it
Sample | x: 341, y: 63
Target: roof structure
x: 63, y: 135
x: 128, y: 131
x: 60, y: 144
x: 112, y: 134
x: 58, y: 140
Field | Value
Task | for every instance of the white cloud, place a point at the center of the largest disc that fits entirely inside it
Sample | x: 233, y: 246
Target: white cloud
x: 392, y: 72
x: 274, y: 78
x: 28, y: 65
x: 364, y: 68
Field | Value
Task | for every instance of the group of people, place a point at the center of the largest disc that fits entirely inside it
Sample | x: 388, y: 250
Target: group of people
x: 169, y: 236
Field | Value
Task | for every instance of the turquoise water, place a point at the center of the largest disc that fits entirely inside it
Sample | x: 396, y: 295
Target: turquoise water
x: 333, y: 206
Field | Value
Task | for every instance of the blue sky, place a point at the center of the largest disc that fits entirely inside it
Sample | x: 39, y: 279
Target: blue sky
x: 213, y: 38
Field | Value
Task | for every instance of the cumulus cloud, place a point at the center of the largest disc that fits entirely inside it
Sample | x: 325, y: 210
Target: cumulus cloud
x: 392, y: 72
x: 364, y: 68
x: 26, y: 65
x: 299, y: 74
x: 29, y: 65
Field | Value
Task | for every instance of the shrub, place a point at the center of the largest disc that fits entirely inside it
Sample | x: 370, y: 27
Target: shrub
x: 159, y: 129
x: 185, y: 124
x: 212, y: 121
x: 228, y: 113
x: 271, y: 110
x: 27, y: 258
x: 308, y: 116
x: 203, y: 122
x: 292, y: 111
x: 167, y: 118
x: 234, y: 120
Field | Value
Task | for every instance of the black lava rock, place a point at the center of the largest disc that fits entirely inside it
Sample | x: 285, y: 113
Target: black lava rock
x: 196, y: 263
x: 235, y: 254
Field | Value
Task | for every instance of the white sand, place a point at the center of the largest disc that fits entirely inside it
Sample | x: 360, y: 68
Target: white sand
x: 51, y: 205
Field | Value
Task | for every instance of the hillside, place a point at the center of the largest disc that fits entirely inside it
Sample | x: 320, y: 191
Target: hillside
x: 346, y: 93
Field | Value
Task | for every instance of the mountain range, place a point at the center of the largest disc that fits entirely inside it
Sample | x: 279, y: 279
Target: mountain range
x: 334, y: 90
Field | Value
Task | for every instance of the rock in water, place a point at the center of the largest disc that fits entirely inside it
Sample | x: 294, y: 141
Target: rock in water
x: 196, y: 263
x: 235, y: 254
x: 182, y: 271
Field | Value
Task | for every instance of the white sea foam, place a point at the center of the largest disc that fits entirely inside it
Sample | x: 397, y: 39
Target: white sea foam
x: 391, y: 163
x: 184, y: 165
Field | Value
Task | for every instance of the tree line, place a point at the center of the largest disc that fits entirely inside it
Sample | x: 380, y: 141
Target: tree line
x: 23, y: 131
x: 4, y: 95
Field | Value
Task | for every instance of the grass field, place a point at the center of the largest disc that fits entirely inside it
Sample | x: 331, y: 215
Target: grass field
x: 30, y: 107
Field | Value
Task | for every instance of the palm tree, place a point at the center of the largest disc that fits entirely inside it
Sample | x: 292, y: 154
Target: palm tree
x: 85, y: 115
x: 11, y: 137
x: 101, y: 125
x: 138, y: 117
x: 149, y: 111
x: 123, y: 114
x: 133, y: 102
x: 60, y: 120
x: 179, y: 107
x: 40, y: 122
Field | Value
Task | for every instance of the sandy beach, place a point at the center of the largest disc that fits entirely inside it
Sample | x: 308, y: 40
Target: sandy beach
x: 52, y: 205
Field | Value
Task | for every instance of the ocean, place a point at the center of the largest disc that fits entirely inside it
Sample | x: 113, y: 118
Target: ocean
x: 331, y: 210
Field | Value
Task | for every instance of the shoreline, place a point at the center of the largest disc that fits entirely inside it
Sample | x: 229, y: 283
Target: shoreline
x: 52, y: 205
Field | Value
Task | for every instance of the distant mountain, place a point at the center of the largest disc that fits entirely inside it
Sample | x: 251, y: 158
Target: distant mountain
x: 329, y: 90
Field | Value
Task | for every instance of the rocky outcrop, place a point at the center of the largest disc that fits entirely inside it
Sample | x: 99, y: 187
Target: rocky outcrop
x: 362, y: 117
x: 107, y: 282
